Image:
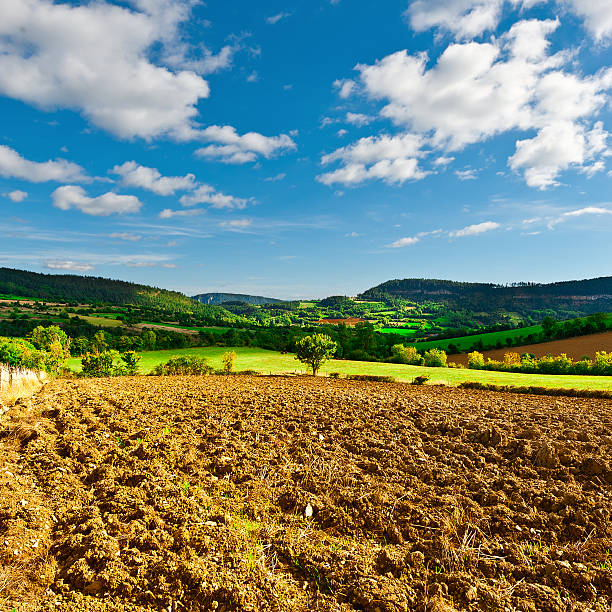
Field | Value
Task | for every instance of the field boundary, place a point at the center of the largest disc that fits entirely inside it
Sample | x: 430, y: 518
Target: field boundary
x: 532, y: 390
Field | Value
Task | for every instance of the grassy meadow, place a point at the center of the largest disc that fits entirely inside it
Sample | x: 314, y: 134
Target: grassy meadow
x: 272, y: 362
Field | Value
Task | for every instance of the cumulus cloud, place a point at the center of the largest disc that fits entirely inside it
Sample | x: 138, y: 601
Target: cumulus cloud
x: 345, y: 87
x: 13, y: 165
x: 205, y: 194
x: 475, y: 91
x: 597, y: 15
x: 17, y: 195
x: 233, y: 148
x: 556, y: 148
x: 468, y: 174
x: 463, y: 18
x: 73, y: 196
x: 135, y: 175
x: 390, y: 158
x: 473, y: 230
x: 96, y: 58
x: 466, y: 19
x: 358, y: 119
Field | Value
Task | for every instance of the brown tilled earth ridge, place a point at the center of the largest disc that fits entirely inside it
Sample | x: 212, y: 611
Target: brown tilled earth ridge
x: 576, y: 348
x: 289, y: 494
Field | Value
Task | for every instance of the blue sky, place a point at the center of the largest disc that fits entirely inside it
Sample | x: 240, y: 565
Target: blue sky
x: 306, y: 148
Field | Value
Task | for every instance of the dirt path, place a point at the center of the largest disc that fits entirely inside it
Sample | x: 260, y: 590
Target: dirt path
x: 576, y: 348
x: 294, y: 494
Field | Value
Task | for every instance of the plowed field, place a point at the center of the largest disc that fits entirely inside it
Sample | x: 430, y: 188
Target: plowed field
x: 290, y: 494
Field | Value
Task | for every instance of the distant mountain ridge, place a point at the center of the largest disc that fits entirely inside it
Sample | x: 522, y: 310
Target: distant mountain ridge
x: 220, y: 298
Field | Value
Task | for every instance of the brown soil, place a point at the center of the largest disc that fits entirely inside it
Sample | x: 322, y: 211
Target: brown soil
x: 576, y: 348
x: 290, y: 494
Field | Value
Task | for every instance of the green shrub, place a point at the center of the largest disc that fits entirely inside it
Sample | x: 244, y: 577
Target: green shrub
x: 406, y: 354
x: 435, y: 358
x: 130, y: 359
x: 184, y: 365
x: 228, y: 358
x: 370, y: 377
x: 100, y: 365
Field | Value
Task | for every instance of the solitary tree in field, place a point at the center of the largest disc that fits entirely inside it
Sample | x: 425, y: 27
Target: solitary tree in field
x: 315, y: 350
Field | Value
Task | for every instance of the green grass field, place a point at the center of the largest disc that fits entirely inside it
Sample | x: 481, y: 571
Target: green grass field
x: 489, y: 340
x: 271, y: 362
x: 100, y: 321
x: 398, y: 331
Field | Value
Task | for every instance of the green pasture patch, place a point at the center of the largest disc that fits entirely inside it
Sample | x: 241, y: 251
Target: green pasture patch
x: 272, y: 362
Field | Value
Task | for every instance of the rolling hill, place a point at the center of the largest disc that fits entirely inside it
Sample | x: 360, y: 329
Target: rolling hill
x: 579, y: 296
x: 90, y: 290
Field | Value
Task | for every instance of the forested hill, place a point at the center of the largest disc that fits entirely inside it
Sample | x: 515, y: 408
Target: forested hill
x: 89, y: 289
x: 415, y: 288
x: 569, y: 298
x: 221, y: 298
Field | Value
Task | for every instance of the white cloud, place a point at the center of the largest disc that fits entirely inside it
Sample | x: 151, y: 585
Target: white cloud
x: 274, y: 179
x: 597, y: 15
x: 359, y: 119
x: 403, y: 242
x: 463, y: 18
x: 341, y: 133
x: 232, y: 148
x: 390, y: 158
x: 557, y: 147
x: 95, y: 58
x: 17, y: 195
x: 588, y: 210
x: 13, y: 165
x: 475, y: 91
x: 67, y: 264
x: 473, y: 230
x: 345, y: 87
x: 276, y: 18
x: 467, y: 19
x: 205, y: 194
x: 125, y: 236
x: 167, y: 213
x: 135, y: 175
x: 237, y: 223
x: 73, y: 196
x: 468, y: 174
x: 443, y: 161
